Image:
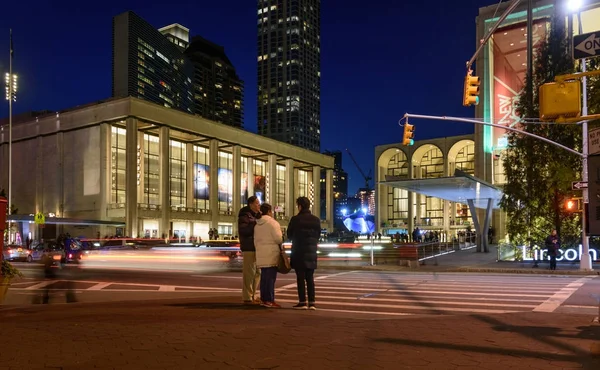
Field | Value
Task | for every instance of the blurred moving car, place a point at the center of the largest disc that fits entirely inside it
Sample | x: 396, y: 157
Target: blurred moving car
x: 15, y: 252
x: 48, y: 248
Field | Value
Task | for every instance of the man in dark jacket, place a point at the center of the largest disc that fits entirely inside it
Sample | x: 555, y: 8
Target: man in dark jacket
x: 304, y: 230
x: 553, y: 245
x: 251, y: 275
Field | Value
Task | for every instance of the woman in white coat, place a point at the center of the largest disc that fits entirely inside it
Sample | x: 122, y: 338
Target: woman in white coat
x: 267, y: 239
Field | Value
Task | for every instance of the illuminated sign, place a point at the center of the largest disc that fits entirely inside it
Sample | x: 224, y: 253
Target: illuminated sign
x: 570, y: 254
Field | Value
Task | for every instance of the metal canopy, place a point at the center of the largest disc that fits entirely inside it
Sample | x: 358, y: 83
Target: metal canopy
x: 65, y: 221
x: 460, y: 188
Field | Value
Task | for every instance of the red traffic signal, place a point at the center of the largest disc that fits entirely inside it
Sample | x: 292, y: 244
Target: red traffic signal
x: 571, y: 205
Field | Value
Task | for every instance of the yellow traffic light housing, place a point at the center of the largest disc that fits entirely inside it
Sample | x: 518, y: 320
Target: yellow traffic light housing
x: 409, y: 134
x: 471, y: 91
x: 559, y: 100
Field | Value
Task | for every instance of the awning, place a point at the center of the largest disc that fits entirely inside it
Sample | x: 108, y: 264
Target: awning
x: 460, y: 188
x: 66, y: 221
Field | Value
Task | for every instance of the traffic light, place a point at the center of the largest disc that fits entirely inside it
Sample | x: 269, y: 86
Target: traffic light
x: 409, y: 134
x: 571, y: 205
x: 471, y: 93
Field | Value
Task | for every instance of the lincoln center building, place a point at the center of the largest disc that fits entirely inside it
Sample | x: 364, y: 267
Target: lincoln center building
x: 156, y: 171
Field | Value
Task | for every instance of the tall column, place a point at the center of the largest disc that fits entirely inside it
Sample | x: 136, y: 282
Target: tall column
x: 410, y: 224
x: 271, y: 191
x: 131, y: 207
x: 329, y: 199
x: 60, y: 177
x: 190, y: 176
x: 316, y: 185
x: 289, y: 188
x: 39, y: 175
x: 250, y: 171
x: 237, y: 185
x: 105, y: 173
x: 213, y: 187
x: 164, y: 157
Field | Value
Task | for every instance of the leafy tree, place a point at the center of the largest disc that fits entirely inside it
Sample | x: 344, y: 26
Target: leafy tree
x: 538, y: 174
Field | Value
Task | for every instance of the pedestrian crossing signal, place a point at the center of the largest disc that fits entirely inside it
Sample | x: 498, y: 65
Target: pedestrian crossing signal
x: 571, y: 205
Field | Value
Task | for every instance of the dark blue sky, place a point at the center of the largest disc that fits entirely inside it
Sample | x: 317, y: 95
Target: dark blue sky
x: 380, y: 59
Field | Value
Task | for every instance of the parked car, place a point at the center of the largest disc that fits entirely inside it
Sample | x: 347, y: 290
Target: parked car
x: 16, y: 253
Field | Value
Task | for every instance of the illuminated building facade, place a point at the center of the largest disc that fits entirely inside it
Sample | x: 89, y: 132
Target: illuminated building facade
x: 289, y: 72
x: 162, y: 66
x: 147, y: 65
x: 218, y: 91
x: 159, y: 171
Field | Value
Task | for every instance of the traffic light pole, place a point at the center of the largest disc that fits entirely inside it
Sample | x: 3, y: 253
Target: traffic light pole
x: 585, y: 263
x: 469, y: 120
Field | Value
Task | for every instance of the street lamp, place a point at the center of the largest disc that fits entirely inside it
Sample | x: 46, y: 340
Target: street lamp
x: 11, y: 95
x: 585, y: 262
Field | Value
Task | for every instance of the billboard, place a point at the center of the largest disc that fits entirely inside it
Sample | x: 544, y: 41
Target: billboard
x: 510, y: 66
x: 260, y: 185
x: 225, y: 181
x: 201, y: 181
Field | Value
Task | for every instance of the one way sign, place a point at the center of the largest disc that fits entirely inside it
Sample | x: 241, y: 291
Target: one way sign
x: 586, y: 45
x: 578, y: 185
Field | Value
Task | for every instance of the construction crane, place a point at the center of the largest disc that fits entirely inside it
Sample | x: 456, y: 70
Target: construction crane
x: 366, y: 177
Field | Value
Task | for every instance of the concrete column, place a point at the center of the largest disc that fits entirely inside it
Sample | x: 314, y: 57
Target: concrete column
x: 296, y: 186
x: 213, y: 196
x: 189, y: 176
x: 164, y: 157
x: 271, y: 191
x: 410, y: 224
x: 237, y: 185
x: 39, y: 175
x: 418, y: 215
x: 316, y: 182
x: 105, y: 173
x: 250, y: 171
x: 60, y: 177
x: 329, y: 199
x: 131, y: 207
x: 290, y: 185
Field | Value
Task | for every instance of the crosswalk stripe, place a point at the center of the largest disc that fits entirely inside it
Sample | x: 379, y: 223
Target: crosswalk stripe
x: 434, y: 291
x: 408, y: 307
x: 41, y: 285
x: 370, y: 299
x: 99, y: 286
x: 440, y: 295
x: 562, y: 295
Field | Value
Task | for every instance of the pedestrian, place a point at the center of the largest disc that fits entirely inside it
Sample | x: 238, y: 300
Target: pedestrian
x: 267, y: 241
x: 553, y: 245
x: 250, y: 275
x: 304, y: 230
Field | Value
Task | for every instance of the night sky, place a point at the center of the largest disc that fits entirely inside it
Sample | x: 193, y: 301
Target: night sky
x: 379, y: 60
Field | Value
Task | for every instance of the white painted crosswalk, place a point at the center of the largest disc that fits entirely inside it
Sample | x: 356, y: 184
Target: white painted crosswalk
x: 378, y: 293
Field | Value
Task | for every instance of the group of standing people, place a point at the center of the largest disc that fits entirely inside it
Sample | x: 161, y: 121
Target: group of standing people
x: 261, y: 243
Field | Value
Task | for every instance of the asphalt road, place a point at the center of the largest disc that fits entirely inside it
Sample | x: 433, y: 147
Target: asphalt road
x: 354, y: 293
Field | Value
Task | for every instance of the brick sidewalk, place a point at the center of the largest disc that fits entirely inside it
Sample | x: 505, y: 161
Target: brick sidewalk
x: 219, y: 333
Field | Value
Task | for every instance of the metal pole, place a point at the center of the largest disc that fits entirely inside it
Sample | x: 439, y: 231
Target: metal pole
x: 372, y: 248
x: 10, y: 99
x: 492, y: 30
x: 585, y: 262
x: 469, y: 120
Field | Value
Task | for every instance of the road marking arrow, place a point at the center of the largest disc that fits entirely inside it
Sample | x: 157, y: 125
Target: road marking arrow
x: 589, y: 45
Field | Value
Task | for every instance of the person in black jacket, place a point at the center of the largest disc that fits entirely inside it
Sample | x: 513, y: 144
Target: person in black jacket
x: 251, y: 275
x: 553, y: 245
x: 304, y: 230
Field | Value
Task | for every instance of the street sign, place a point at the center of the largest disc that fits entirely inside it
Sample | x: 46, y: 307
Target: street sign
x: 39, y: 218
x: 586, y: 45
x: 578, y: 185
x: 594, y: 141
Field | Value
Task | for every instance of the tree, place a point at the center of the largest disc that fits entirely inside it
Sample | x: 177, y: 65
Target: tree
x: 539, y: 175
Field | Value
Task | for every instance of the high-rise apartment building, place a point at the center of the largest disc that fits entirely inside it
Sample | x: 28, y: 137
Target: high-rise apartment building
x: 147, y: 65
x: 164, y: 67
x: 218, y: 91
x: 289, y: 77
